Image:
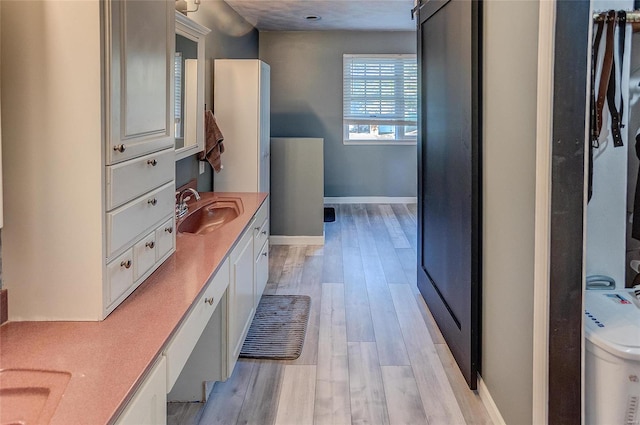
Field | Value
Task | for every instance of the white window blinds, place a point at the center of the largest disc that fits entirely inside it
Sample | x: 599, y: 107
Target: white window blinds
x: 380, y: 89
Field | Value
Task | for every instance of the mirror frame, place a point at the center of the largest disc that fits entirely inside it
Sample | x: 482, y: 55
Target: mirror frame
x: 197, y: 33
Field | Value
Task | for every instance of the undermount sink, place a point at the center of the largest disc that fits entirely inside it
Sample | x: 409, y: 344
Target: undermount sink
x: 210, y: 213
x: 30, y: 396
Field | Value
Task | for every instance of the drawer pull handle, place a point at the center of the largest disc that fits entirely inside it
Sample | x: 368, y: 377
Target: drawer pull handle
x: 126, y: 264
x: 168, y: 229
x: 152, y: 202
x: 209, y: 301
x: 119, y: 148
x: 152, y: 162
x: 150, y: 244
x: 264, y: 253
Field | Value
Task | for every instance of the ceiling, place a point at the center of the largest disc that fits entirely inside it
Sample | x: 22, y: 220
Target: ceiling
x: 348, y: 15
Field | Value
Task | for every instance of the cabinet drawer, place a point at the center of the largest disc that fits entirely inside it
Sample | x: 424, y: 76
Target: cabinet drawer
x: 149, y: 404
x: 120, y: 275
x: 165, y: 238
x: 130, y: 179
x: 138, y: 216
x: 144, y: 255
x: 179, y: 349
x: 261, y: 216
x: 261, y: 236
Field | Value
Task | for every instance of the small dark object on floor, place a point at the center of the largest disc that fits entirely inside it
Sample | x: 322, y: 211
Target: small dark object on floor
x: 329, y: 214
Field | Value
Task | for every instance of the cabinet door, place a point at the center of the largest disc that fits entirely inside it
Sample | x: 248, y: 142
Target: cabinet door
x: 149, y: 404
x: 264, y: 160
x: 261, y: 271
x: 241, y: 295
x: 140, y: 44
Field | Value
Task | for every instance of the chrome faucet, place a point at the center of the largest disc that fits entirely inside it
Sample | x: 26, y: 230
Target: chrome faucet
x: 182, y: 208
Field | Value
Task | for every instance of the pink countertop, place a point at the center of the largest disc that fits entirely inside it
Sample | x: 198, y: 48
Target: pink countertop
x: 108, y: 360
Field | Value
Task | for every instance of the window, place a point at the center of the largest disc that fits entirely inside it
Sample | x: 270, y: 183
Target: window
x: 380, y: 99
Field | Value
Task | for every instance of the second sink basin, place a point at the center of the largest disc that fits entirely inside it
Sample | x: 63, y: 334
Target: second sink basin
x: 210, y: 214
x: 30, y: 397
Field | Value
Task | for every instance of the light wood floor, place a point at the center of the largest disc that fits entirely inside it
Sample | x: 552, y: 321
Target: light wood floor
x: 372, y: 353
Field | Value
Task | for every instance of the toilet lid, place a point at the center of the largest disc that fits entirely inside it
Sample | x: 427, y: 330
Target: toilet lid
x: 612, y: 322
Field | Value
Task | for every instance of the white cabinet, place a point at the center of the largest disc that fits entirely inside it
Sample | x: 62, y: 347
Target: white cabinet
x: 241, y: 105
x: 249, y: 263
x: 82, y: 223
x: 149, y: 404
x: 241, y: 296
x: 139, y: 44
x: 261, y: 250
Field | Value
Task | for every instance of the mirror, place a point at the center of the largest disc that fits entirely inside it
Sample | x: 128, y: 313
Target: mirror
x: 189, y: 86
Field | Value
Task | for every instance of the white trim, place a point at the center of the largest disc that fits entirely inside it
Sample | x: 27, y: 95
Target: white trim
x: 397, y: 142
x: 380, y: 55
x: 489, y: 404
x: 296, y: 240
x: 370, y: 199
x: 542, y: 239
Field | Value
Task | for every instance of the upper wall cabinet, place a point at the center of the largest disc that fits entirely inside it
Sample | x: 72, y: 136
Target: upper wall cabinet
x: 89, y: 95
x: 140, y: 48
x: 189, y: 86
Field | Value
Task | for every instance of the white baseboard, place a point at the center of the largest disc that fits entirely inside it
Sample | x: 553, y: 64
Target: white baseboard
x: 489, y: 404
x: 370, y: 200
x: 296, y: 240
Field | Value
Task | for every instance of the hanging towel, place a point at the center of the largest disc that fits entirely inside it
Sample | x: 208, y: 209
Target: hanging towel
x: 213, y: 146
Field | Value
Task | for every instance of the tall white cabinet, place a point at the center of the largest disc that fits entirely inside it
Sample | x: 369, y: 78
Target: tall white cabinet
x: 88, y: 149
x: 242, y: 110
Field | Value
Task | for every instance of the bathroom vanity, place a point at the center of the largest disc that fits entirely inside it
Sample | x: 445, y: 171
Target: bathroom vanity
x: 123, y: 367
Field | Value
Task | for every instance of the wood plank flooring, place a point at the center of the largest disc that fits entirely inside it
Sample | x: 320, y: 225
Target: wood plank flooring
x: 372, y: 354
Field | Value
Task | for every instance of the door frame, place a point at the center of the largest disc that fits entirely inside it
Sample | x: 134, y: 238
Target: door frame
x: 542, y: 234
x: 560, y: 238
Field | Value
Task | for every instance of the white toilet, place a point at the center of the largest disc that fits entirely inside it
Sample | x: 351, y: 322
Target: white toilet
x: 612, y: 369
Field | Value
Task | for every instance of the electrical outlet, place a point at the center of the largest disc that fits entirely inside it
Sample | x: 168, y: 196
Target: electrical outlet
x: 201, y: 167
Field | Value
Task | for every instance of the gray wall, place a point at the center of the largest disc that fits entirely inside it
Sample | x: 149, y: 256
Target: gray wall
x: 508, y: 210
x: 230, y: 38
x: 306, y: 101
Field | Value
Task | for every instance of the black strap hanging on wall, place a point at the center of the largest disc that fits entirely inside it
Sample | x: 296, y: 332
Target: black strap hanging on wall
x: 595, y: 131
x: 615, y: 77
x: 622, y: 32
x: 605, y: 72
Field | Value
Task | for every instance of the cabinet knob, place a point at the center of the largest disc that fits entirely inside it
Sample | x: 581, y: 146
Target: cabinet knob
x: 264, y: 253
x: 119, y: 148
x: 264, y: 232
x: 126, y: 264
x: 209, y: 301
x: 150, y: 244
x: 257, y: 228
x: 152, y: 202
x: 152, y: 162
x: 168, y: 229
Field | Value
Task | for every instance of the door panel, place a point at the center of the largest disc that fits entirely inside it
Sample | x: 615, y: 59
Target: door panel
x: 449, y: 177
